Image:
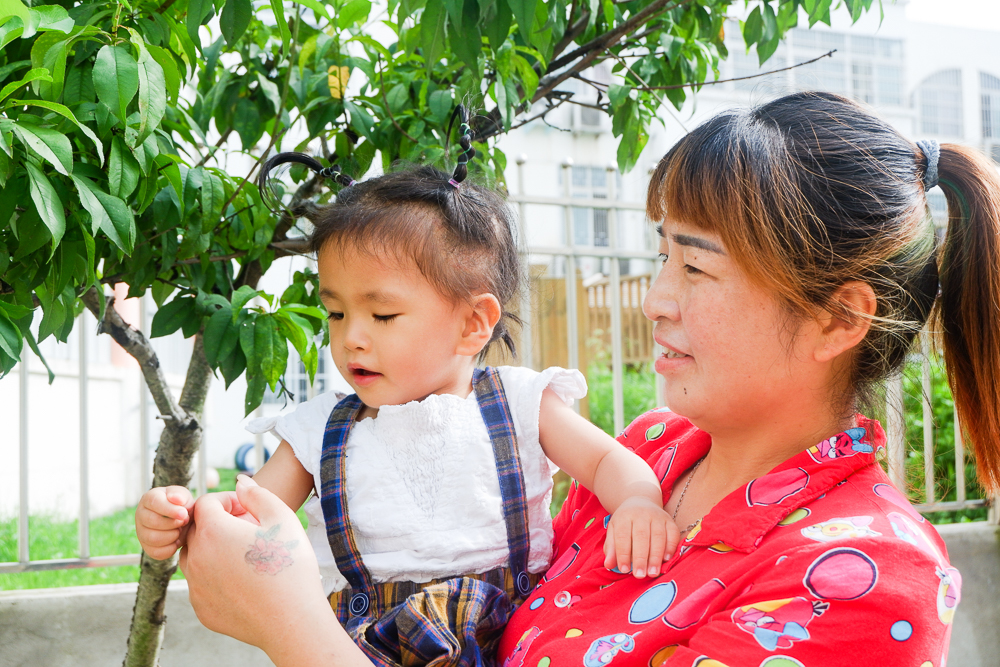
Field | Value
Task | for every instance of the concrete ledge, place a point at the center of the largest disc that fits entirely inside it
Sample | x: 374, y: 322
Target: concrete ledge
x: 88, y: 625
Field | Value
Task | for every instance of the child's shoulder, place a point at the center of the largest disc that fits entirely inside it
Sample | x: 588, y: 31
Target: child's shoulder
x: 305, y: 419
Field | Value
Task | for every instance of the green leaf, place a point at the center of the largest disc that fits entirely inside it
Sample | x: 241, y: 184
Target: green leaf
x: 13, y: 8
x: 48, y: 17
x: 171, y: 76
x: 51, y: 145
x: 33, y: 75
x: 123, y: 170
x: 433, y: 33
x: 47, y: 203
x: 354, y: 11
x: 68, y: 115
x: 107, y: 213
x: 170, y: 317
x: 279, y: 17
x: 524, y: 14
x: 213, y: 196
x: 152, y: 91
x: 235, y: 19
x: 270, y: 90
x: 10, y: 338
x: 233, y: 366
x: 240, y: 299
x: 221, y: 336
x: 398, y: 97
x: 770, y: 23
x: 255, y: 392
x: 198, y: 12
x: 618, y: 94
x: 116, y: 79
x: 12, y: 27
x: 316, y: 6
x: 753, y: 28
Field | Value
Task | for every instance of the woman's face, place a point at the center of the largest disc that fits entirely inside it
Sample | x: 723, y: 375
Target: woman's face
x: 733, y: 354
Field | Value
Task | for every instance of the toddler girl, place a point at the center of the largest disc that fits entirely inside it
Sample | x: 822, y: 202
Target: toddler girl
x: 431, y: 484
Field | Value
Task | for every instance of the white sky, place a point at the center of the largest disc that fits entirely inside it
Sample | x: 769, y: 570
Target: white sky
x: 978, y: 14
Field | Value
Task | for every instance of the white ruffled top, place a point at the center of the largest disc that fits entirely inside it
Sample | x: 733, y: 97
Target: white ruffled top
x: 422, y: 488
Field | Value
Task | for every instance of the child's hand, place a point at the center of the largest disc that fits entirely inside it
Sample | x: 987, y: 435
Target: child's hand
x: 161, y: 520
x: 641, y: 536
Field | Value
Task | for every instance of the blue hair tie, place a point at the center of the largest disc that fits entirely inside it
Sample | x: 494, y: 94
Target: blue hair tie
x: 932, y: 151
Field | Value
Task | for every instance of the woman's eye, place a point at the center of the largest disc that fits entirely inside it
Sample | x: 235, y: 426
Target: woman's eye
x: 336, y: 316
x: 386, y: 318
x: 690, y: 269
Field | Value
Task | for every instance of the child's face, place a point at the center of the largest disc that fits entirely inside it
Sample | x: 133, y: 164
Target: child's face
x: 393, y: 336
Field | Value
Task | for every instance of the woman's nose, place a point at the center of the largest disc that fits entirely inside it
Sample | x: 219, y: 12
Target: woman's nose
x: 660, y: 301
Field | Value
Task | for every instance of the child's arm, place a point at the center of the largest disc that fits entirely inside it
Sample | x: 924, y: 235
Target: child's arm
x: 640, y: 533
x: 163, y: 513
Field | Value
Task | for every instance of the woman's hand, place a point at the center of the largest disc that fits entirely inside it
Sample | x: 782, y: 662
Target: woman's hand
x: 260, y: 583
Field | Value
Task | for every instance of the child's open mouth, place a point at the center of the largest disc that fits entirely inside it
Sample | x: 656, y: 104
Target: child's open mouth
x: 363, y: 376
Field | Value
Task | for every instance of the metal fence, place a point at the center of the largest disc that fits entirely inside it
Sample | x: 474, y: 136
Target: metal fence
x: 614, y: 306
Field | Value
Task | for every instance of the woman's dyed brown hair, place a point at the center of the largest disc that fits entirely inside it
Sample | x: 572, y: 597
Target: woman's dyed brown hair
x: 811, y: 191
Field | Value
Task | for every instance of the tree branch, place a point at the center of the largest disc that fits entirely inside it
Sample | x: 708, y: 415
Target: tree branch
x: 828, y: 54
x: 137, y: 345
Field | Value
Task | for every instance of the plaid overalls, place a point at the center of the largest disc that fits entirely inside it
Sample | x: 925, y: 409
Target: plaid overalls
x: 454, y: 622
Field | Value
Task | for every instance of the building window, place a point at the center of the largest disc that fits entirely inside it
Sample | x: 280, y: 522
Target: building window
x: 863, y: 82
x: 590, y: 225
x: 939, y: 101
x: 889, y: 85
x: 989, y: 90
x: 828, y: 74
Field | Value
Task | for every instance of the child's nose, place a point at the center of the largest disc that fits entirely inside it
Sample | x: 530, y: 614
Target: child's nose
x: 356, y: 337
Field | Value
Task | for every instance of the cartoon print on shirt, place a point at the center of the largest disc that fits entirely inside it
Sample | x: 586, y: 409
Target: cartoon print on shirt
x: 850, y: 442
x: 796, y: 516
x: 777, y: 623
x: 655, y: 431
x: 908, y: 531
x: 565, y: 599
x: 692, y: 608
x: 604, y: 649
x: 774, y: 487
x: 516, y: 657
x: 663, y: 464
x: 835, y: 529
x: 889, y: 492
x: 652, y: 603
x: 562, y: 563
x: 661, y: 656
x: 841, y: 574
x: 949, y: 593
x: 780, y: 661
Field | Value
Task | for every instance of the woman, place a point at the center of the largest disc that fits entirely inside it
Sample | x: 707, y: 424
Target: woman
x: 799, y: 264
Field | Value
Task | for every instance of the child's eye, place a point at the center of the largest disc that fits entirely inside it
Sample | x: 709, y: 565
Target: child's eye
x: 385, y: 318
x: 336, y: 316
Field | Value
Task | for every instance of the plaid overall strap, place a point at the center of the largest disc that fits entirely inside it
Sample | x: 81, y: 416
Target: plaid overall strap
x: 333, y: 498
x: 500, y: 425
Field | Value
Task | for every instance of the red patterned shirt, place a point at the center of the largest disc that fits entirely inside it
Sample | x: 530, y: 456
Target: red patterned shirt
x: 820, y: 562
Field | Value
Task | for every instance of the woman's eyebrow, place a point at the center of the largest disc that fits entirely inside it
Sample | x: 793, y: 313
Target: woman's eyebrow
x: 697, y: 242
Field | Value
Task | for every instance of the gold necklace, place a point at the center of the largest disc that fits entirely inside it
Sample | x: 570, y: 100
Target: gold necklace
x: 677, y: 508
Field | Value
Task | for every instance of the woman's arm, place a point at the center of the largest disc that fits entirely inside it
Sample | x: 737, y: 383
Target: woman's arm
x: 640, y: 534
x: 260, y: 583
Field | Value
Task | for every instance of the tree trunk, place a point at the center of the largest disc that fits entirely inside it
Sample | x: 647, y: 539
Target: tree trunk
x: 181, y: 438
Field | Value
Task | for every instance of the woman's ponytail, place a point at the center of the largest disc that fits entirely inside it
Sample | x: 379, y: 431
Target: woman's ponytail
x: 969, y: 307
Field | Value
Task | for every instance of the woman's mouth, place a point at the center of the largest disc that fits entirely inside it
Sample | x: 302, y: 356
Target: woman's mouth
x: 670, y: 354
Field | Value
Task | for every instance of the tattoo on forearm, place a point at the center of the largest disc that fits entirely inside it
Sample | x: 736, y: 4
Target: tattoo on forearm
x: 268, y: 555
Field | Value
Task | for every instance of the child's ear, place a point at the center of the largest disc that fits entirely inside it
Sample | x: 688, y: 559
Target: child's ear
x: 483, y: 315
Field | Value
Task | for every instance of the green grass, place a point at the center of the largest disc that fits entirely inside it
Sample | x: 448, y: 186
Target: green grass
x: 110, y: 535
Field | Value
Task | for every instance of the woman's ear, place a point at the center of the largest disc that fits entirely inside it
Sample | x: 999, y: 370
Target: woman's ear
x: 847, y: 321
x: 482, y: 317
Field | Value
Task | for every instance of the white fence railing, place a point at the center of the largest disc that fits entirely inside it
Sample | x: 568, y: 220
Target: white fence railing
x: 616, y: 291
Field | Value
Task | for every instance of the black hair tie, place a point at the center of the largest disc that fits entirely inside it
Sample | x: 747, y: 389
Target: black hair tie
x: 465, y: 141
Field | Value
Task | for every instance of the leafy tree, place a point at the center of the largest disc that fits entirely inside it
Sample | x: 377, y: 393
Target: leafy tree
x: 109, y: 171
